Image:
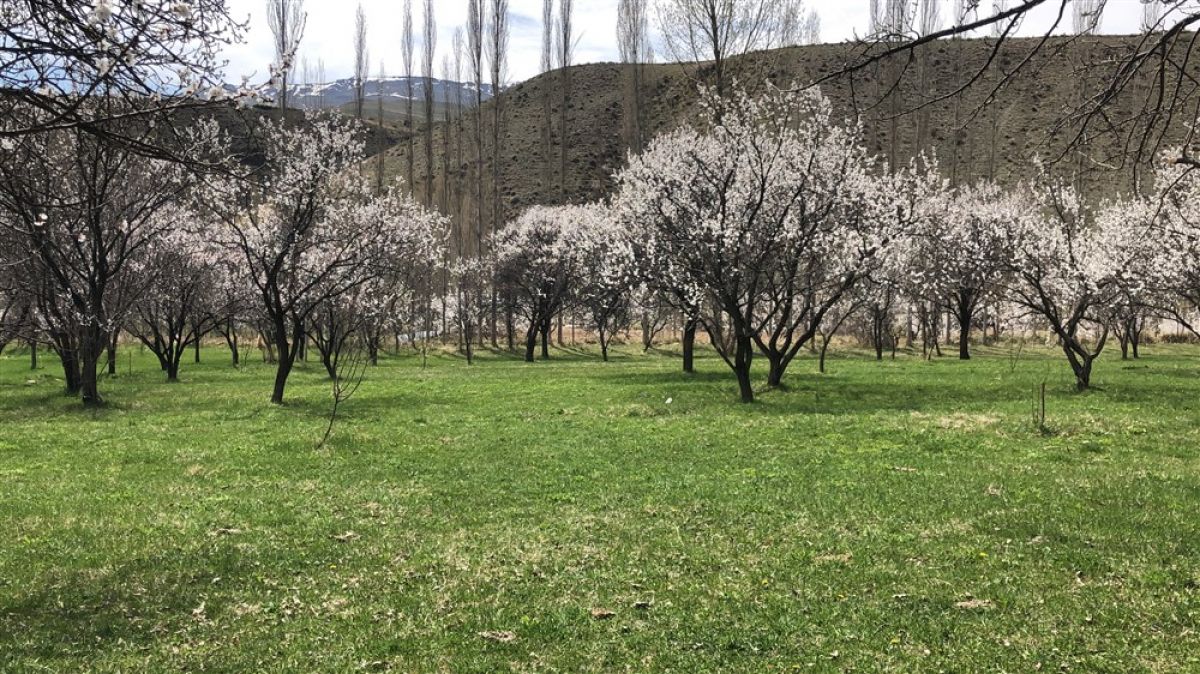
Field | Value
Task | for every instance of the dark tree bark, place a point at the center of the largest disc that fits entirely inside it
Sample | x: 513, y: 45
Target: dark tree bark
x: 689, y: 344
x: 531, y: 335
x: 92, y: 345
x: 742, y: 360
x: 111, y: 349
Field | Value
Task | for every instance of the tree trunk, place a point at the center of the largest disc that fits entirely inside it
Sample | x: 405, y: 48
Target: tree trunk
x: 92, y: 345
x: 286, y: 357
x: 1083, y: 375
x: 964, y: 344
x: 1081, y: 365
x: 112, y: 353
x: 742, y: 359
x: 776, y: 369
x: 824, y: 347
x: 196, y: 349
x: 231, y: 339
x: 33, y: 355
x: 530, y: 342
x: 327, y: 361
x: 689, y: 345
x: 70, y: 365
x: 546, y: 340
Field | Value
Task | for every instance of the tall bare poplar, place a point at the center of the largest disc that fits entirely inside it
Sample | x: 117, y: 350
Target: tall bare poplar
x: 475, y: 23
x: 810, y: 31
x: 717, y: 30
x: 360, y: 61
x: 286, y: 19
x: 565, y: 42
x: 633, y: 44
x: 380, y: 133
x: 321, y: 80
x: 547, y: 65
x: 1085, y: 15
x: 929, y: 20
x: 428, y: 48
x: 406, y: 56
x: 497, y: 52
x: 458, y: 142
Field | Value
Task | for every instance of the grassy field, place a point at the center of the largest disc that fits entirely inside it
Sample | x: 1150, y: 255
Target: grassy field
x: 575, y: 516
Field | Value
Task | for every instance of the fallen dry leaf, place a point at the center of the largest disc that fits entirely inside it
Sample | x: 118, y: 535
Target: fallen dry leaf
x: 973, y: 604
x: 843, y: 558
x: 503, y: 636
x: 345, y: 537
x: 602, y: 613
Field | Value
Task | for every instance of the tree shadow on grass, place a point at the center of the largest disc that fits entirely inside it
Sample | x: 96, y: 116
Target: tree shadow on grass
x: 807, y: 393
x: 81, y: 615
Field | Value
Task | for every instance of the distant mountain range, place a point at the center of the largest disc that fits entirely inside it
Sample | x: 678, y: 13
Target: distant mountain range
x: 393, y: 89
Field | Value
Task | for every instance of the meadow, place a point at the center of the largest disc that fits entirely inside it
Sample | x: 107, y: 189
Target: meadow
x: 579, y: 516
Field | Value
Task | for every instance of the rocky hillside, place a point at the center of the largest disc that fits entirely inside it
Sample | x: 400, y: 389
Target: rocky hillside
x: 972, y: 139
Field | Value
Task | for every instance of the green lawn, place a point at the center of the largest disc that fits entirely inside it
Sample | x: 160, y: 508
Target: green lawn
x: 567, y: 517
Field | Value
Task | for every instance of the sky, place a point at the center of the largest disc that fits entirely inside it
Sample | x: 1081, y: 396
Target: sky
x: 330, y: 27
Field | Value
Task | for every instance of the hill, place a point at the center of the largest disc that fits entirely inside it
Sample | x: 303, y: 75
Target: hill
x: 393, y: 92
x: 971, y: 139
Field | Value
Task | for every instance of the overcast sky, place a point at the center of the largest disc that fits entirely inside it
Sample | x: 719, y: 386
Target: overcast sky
x: 331, y: 26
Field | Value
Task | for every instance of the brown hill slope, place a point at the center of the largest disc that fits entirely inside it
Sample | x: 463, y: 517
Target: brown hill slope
x: 972, y: 140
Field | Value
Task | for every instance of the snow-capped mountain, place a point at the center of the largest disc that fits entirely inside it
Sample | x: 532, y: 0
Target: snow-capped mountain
x: 393, y: 89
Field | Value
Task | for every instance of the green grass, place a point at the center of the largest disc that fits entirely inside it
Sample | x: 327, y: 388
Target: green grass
x: 886, y: 516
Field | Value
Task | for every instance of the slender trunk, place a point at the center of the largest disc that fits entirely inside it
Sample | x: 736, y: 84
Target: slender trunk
x: 112, y: 353
x: 689, y: 345
x: 530, y: 341
x: 33, y: 365
x: 495, y: 312
x: 825, y: 339
x: 196, y: 348
x: 92, y: 347
x: 327, y: 361
x: 70, y: 365
x: 286, y: 357
x: 546, y: 339
x: 965, y: 313
x: 742, y: 359
x: 235, y: 353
